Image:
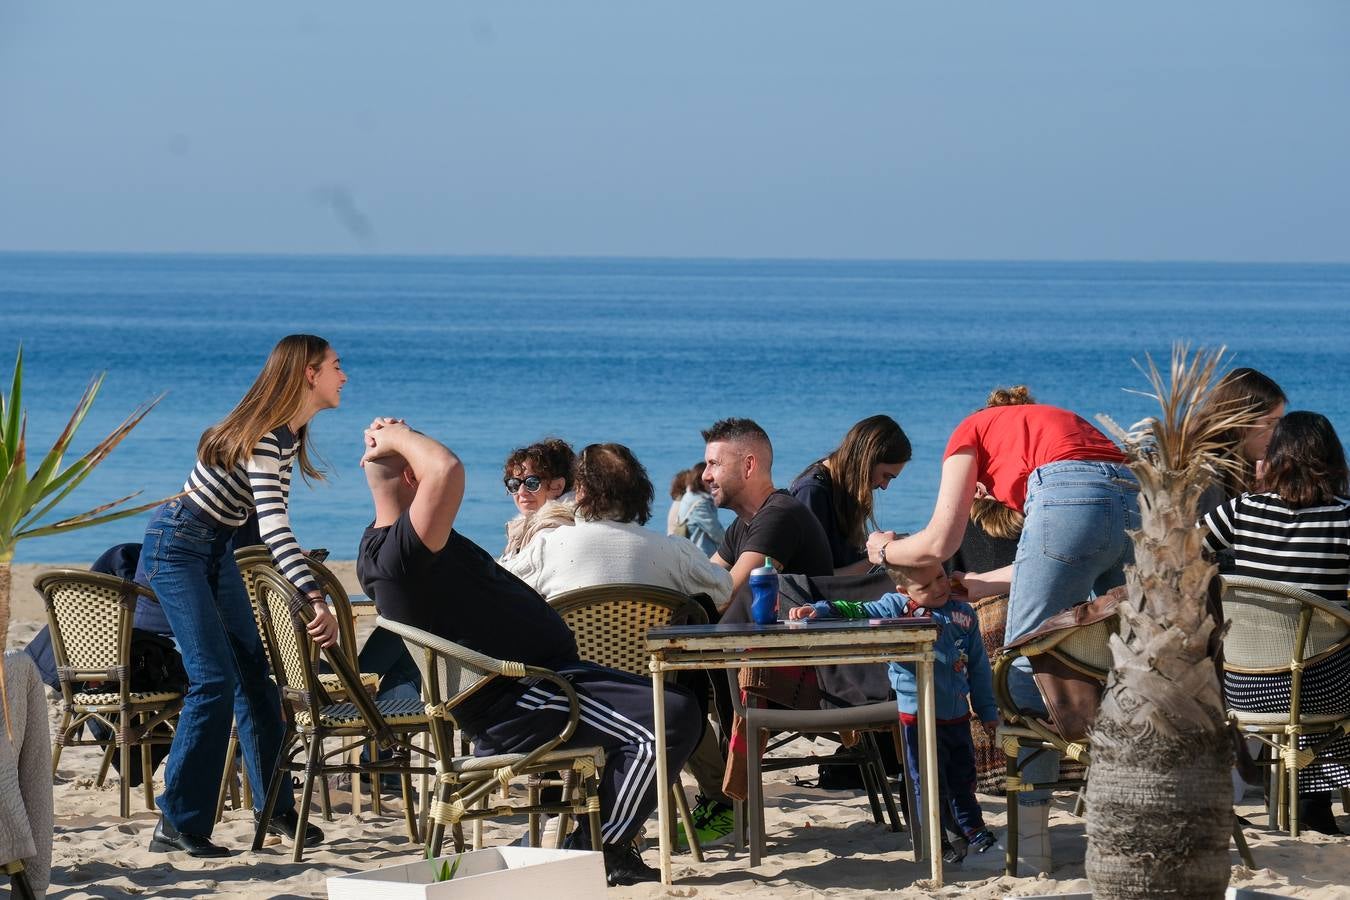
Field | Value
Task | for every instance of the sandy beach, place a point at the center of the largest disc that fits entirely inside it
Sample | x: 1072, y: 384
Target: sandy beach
x: 821, y: 843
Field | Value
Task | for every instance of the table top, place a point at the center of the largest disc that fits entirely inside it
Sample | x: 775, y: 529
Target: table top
x: 798, y: 634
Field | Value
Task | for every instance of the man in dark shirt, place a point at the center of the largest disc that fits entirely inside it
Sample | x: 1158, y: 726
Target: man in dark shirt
x: 768, y: 522
x: 423, y: 573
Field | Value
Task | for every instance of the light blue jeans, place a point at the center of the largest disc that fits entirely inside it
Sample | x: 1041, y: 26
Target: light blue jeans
x: 190, y: 564
x: 1073, y: 545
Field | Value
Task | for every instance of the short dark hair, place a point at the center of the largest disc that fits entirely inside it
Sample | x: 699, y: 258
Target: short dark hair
x: 737, y: 430
x: 551, y: 458
x: 1305, y: 464
x: 612, y: 484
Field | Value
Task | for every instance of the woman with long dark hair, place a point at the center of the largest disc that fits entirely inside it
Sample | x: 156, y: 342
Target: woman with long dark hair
x: 1296, y: 530
x: 1243, y: 390
x: 838, y: 489
x: 243, y: 467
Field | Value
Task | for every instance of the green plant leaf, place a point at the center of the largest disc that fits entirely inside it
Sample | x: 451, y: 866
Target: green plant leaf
x: 455, y: 868
x: 80, y: 470
x: 9, y: 417
x: 83, y: 520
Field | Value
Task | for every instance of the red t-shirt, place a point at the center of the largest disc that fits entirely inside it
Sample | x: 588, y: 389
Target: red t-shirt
x: 1010, y: 442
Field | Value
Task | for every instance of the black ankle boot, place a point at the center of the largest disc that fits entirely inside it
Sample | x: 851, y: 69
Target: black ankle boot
x: 167, y: 839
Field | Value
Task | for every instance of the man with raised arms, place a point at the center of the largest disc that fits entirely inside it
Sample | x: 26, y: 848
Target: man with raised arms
x: 423, y: 573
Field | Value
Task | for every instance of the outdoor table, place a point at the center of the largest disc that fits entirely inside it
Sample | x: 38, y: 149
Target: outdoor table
x: 362, y: 605
x: 801, y: 643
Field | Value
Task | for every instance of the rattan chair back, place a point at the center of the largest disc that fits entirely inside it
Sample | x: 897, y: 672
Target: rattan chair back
x: 610, y: 622
x: 293, y: 656
x: 90, y: 616
x: 1276, y: 627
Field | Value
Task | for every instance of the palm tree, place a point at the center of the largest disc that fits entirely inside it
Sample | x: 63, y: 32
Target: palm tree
x: 1158, y: 796
x: 26, y: 501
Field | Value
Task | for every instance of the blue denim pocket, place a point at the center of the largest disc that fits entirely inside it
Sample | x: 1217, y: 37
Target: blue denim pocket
x: 1076, y: 530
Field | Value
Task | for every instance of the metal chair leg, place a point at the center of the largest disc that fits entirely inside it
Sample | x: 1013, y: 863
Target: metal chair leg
x: 687, y: 817
x: 1240, y: 840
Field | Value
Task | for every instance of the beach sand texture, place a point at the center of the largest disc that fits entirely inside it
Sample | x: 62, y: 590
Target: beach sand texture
x: 821, y: 843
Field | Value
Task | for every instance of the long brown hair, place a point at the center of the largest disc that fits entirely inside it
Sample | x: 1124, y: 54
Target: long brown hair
x: 276, y: 397
x: 876, y: 439
x: 1242, y: 390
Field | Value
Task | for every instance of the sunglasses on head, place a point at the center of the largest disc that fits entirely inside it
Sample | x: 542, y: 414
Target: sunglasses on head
x: 531, y: 483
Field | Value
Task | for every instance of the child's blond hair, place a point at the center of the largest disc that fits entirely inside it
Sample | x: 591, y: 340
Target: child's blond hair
x: 903, y: 574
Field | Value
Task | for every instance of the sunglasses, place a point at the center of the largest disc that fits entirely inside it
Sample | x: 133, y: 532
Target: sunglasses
x: 531, y: 483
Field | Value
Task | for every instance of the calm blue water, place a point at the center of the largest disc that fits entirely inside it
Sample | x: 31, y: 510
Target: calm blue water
x: 488, y: 354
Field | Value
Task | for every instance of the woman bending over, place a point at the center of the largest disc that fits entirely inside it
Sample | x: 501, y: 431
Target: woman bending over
x: 243, y: 466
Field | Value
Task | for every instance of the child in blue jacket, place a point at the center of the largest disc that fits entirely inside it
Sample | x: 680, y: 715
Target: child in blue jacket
x: 962, y: 678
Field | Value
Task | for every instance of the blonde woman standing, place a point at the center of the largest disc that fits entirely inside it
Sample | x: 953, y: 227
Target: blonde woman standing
x: 243, y: 466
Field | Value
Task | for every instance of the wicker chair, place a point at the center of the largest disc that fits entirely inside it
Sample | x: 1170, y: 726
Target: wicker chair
x: 610, y: 623
x: 250, y: 560
x: 452, y: 674
x: 91, y: 623
x: 313, y: 717
x: 1084, y: 650
x: 1278, y: 629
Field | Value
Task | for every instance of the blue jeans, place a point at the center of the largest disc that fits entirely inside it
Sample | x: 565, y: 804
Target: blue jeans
x: 188, y: 561
x: 961, y: 814
x: 1073, y: 545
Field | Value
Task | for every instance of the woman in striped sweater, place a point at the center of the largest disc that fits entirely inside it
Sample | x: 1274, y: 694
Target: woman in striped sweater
x: 1296, y: 531
x: 243, y: 466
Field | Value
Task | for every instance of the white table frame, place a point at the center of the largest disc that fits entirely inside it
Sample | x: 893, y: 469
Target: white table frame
x: 770, y: 646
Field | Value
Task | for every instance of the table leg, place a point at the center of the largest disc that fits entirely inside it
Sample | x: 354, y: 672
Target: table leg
x: 662, y: 775
x: 928, y: 779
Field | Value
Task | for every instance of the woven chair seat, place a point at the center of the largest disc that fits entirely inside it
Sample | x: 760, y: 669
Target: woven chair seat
x: 346, y: 715
x: 562, y: 758
x: 114, y: 699
x: 332, y: 683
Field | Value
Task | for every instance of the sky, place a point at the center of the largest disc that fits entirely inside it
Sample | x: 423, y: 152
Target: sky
x: 759, y: 128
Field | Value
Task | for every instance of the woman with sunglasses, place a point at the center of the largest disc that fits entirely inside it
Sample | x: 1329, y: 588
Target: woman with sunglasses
x: 539, y: 480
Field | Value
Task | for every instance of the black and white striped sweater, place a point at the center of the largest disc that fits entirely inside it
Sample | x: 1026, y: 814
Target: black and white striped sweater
x: 1307, y: 548
x: 262, y: 483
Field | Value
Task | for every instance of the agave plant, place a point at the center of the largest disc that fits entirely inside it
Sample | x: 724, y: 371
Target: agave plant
x: 1158, y: 796
x: 26, y: 501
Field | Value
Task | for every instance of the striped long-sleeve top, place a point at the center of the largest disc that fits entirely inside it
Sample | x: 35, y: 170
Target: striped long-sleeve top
x: 262, y: 483
x: 1306, y: 548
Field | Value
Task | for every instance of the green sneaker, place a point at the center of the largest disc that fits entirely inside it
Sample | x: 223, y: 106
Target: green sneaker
x: 713, y: 823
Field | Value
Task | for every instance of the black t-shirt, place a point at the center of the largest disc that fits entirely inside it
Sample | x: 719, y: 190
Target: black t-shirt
x: 814, y: 489
x: 784, y: 530
x: 462, y: 595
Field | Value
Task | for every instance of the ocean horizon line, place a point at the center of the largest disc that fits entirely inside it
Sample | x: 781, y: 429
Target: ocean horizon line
x: 674, y: 258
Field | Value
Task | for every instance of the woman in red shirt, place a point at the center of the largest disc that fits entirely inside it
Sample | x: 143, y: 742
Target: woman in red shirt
x: 1071, y: 483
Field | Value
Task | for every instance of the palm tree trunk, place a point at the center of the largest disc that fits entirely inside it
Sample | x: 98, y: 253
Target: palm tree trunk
x: 1158, y: 794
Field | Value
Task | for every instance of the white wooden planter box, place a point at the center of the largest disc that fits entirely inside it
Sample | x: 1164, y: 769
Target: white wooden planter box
x: 493, y: 874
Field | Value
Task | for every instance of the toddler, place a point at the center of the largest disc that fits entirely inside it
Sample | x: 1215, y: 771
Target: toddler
x: 961, y: 677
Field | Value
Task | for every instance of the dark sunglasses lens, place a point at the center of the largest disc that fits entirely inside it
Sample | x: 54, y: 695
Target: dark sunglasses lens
x: 531, y: 483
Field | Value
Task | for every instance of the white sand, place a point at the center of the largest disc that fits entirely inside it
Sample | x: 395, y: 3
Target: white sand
x: 821, y: 843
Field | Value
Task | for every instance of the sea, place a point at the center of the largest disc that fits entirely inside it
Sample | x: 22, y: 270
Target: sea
x: 487, y: 354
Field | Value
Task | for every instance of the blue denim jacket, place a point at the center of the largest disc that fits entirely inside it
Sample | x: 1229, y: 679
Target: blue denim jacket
x: 960, y: 669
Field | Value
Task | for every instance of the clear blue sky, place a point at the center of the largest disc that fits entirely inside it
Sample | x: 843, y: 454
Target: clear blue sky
x: 973, y: 130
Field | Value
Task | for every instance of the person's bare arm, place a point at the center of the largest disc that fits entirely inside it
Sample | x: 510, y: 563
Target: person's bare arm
x: 984, y: 584
x: 439, y: 474
x: 941, y: 537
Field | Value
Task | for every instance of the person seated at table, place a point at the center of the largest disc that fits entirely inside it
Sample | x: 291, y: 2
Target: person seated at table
x: 961, y: 678
x: 838, y: 489
x: 539, y: 480
x: 423, y: 573
x: 609, y: 543
x: 770, y: 523
x: 1296, y: 531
